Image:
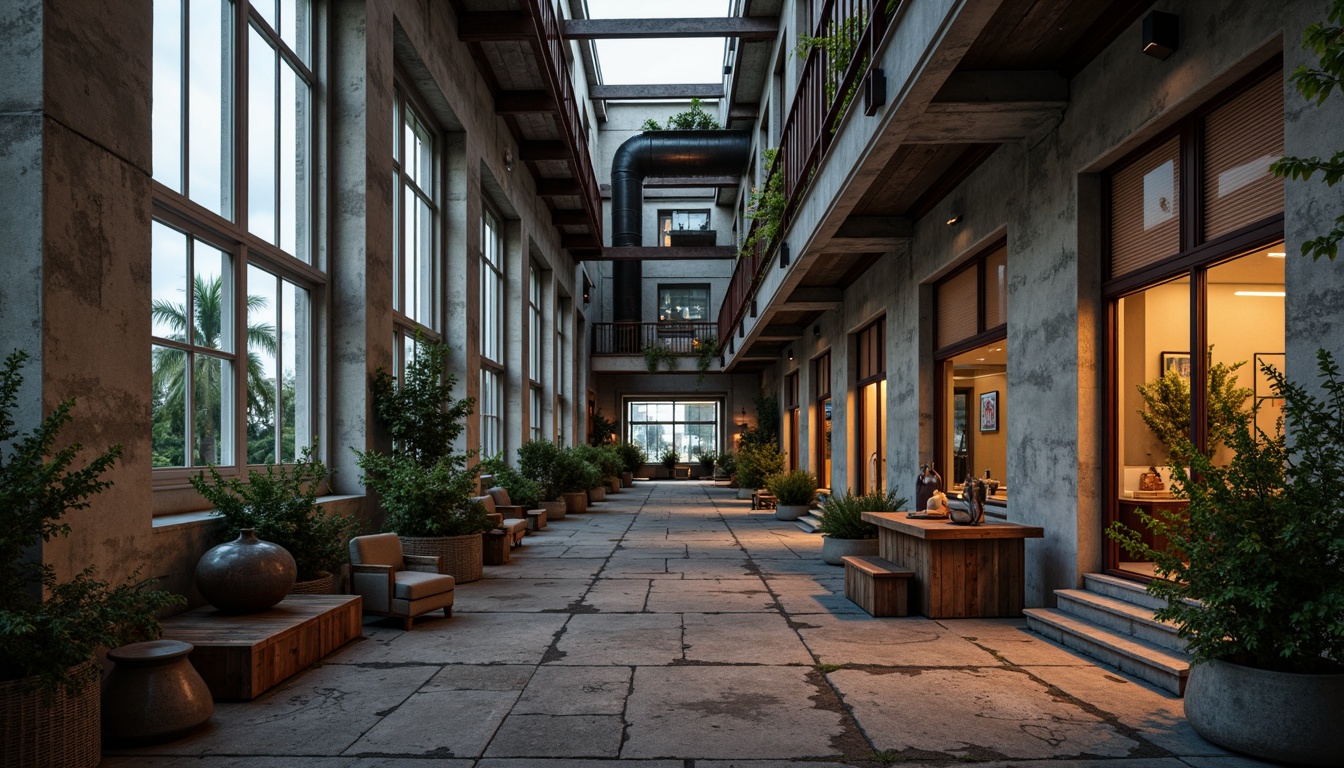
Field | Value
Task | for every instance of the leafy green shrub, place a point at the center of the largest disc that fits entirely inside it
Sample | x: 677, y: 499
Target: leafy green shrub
x: 726, y: 463
x: 670, y: 457
x: 573, y: 474
x: 601, y: 430
x: 693, y: 119
x: 604, y: 458
x: 1260, y: 545
x: 48, y: 626
x: 757, y: 462
x: 522, y: 490
x: 281, y: 505
x: 537, y: 462
x: 425, y: 501
x: 659, y: 355
x: 765, y: 207
x: 632, y: 456
x: 842, y: 516
x: 707, y: 459
x: 796, y: 488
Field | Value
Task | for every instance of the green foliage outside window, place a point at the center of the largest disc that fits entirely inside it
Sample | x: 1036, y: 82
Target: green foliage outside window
x: 693, y: 119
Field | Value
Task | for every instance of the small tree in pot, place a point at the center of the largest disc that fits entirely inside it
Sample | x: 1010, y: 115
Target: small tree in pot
x: 794, y: 493
x: 600, y: 461
x: 523, y: 491
x: 754, y: 464
x: 669, y: 460
x: 537, y: 461
x: 633, y: 459
x: 574, y: 476
x: 845, y: 531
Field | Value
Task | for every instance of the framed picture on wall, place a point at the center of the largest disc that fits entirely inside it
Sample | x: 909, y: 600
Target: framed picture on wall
x: 1178, y: 362
x: 989, y: 411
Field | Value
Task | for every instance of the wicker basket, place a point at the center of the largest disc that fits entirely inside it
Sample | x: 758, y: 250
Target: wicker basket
x: 459, y: 556
x: 322, y: 585
x: 60, y: 729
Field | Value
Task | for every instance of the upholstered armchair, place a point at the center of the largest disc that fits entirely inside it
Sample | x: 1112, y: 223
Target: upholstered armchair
x: 395, y: 584
x: 513, y: 526
x: 536, y: 518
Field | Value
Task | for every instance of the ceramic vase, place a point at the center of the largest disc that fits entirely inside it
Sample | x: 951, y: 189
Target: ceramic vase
x: 245, y: 575
x: 153, y: 693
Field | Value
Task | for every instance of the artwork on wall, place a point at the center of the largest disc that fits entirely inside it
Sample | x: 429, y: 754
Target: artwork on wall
x: 1176, y: 361
x: 989, y: 411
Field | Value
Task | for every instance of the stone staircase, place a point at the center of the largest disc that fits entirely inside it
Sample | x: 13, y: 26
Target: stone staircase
x: 1111, y: 620
x: 810, y: 522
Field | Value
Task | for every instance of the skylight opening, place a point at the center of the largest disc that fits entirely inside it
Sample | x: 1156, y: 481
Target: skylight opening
x: 655, y: 61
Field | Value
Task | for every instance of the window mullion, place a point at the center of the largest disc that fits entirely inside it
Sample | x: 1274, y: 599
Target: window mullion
x: 280, y: 372
x: 184, y: 90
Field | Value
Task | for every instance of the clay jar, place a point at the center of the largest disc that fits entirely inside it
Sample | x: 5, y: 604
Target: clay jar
x: 245, y: 575
x: 153, y: 693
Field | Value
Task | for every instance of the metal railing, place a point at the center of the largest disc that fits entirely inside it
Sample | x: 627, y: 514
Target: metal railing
x: 826, y: 91
x: 632, y: 338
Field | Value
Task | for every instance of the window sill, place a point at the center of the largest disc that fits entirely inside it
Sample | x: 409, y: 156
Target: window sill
x: 179, y: 521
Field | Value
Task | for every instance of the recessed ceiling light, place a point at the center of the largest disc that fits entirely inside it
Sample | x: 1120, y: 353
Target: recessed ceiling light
x: 980, y: 359
x: 1276, y: 254
x: 1272, y: 294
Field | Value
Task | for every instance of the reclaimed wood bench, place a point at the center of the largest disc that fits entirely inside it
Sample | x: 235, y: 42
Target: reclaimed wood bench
x: 878, y: 586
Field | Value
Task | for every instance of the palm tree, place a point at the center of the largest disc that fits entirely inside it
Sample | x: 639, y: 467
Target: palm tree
x: 170, y: 374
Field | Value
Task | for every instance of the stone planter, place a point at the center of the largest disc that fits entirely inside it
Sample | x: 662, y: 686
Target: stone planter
x: 789, y: 511
x: 832, y: 549
x: 613, y: 485
x: 459, y: 556
x: 575, y: 502
x: 555, y: 510
x: 62, y: 729
x: 153, y: 693
x: 744, y: 494
x: 597, y: 494
x: 627, y: 479
x: 1277, y: 716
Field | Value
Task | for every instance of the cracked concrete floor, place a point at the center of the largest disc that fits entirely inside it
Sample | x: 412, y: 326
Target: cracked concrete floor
x: 672, y: 627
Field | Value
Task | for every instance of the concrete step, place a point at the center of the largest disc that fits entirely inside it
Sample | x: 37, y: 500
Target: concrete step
x: 1163, y: 668
x: 809, y: 523
x: 1134, y: 620
x: 1132, y: 592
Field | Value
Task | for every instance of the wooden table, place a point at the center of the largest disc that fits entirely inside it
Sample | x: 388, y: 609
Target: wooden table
x: 961, y: 571
x: 241, y: 657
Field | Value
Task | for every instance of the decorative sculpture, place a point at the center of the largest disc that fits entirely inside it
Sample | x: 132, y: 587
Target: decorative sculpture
x: 927, y: 482
x: 973, y: 493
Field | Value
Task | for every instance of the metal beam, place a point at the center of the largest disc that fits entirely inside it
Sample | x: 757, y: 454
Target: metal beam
x: 523, y: 103
x: 493, y: 27
x: 811, y: 299
x: 675, y: 253
x: 677, y: 91
x: 630, y: 29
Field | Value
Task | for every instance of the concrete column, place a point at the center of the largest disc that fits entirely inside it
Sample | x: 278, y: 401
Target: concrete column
x: 460, y: 228
x: 515, y: 336
x: 549, y: 359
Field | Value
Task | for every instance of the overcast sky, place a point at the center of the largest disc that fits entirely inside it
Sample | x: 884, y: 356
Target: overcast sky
x: 633, y: 62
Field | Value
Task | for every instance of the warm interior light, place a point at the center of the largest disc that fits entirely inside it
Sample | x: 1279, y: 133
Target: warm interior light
x: 955, y: 218
x: 1276, y: 254
x: 1272, y: 294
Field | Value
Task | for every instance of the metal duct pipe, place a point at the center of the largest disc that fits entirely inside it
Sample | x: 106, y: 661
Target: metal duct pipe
x: 660, y: 153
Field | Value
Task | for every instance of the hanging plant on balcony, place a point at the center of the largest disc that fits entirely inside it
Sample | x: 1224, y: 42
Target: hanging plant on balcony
x: 766, y: 208
x: 706, y: 350
x: 693, y: 119
x: 657, y: 356
x: 839, y: 47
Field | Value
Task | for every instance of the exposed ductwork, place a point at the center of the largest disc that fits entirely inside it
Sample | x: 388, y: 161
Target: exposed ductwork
x: 660, y: 153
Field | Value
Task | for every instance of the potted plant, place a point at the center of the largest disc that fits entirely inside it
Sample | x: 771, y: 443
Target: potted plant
x: 593, y: 457
x: 633, y: 458
x: 1254, y: 576
x: 574, y: 476
x: 844, y: 531
x: 794, y: 493
x: 609, y: 462
x: 755, y: 463
x: 725, y: 465
x: 50, y: 630
x: 280, y: 504
x: 424, y: 485
x: 537, y: 461
x: 523, y: 491
x: 669, y: 461
x: 707, y: 460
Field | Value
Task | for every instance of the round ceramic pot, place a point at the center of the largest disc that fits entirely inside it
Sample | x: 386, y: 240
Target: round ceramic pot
x: 575, y: 502
x: 790, y: 511
x: 627, y: 479
x: 555, y: 510
x: 597, y: 494
x: 832, y: 549
x: 744, y: 494
x: 1277, y: 716
x: 245, y: 575
x: 37, y: 728
x: 153, y: 693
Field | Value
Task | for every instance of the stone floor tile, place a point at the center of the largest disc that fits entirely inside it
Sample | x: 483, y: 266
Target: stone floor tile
x: 711, y: 569
x: 558, y: 690
x: 710, y: 596
x: 727, y: 712
x: 519, y: 595
x: 140, y: 761
x: 620, y: 639
x: 743, y: 638
x: 558, y: 736
x: 977, y: 713
x: 525, y: 567
x: 438, y: 724
x: 909, y: 642
x: 617, y: 595
x: 467, y: 638
x: 550, y: 763
x: 480, y: 677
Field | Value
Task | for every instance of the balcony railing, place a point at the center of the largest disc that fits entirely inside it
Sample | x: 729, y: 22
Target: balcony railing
x: 829, y: 87
x: 632, y: 338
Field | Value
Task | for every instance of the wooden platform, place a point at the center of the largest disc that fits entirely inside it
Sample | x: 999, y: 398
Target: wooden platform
x: 241, y: 657
x: 879, y: 587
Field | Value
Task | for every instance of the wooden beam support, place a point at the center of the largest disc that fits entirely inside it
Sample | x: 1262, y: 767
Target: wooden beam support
x: 676, y: 91
x: 693, y: 182
x: 744, y: 111
x: 493, y: 27
x: 812, y: 299
x: 523, y: 103
x: 743, y: 28
x: 557, y: 188
x: 869, y: 234
x: 992, y: 108
x: 569, y: 218
x: 780, y: 333
x: 532, y: 151
x: 677, y: 253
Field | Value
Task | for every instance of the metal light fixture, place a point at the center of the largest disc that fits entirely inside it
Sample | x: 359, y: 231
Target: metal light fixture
x: 790, y: 353
x: 1161, y: 34
x: 783, y: 255
x: 953, y: 219
x: 508, y: 159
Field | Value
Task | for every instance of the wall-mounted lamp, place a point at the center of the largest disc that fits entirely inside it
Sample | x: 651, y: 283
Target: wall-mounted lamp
x: 816, y: 331
x: 790, y: 353
x: 742, y: 425
x: 508, y: 159
x: 874, y: 92
x: 954, y: 219
x: 1161, y: 34
x: 783, y: 255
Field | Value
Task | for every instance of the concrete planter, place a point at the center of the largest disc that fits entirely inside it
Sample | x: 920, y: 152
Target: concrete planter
x: 575, y: 502
x: 597, y: 494
x: 832, y: 549
x: 1277, y: 716
x: 555, y: 510
x: 744, y: 494
x: 613, y: 485
x: 627, y: 479
x: 789, y: 511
